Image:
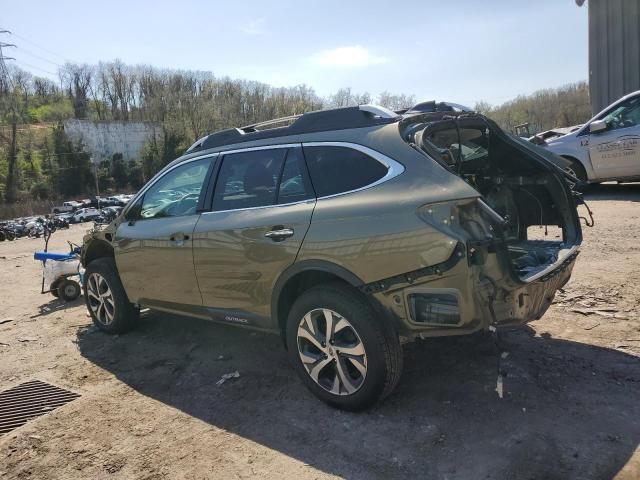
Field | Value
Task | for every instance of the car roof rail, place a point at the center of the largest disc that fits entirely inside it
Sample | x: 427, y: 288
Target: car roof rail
x: 316, y: 121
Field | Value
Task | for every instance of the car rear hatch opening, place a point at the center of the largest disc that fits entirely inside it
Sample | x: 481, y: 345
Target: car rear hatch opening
x: 526, y: 212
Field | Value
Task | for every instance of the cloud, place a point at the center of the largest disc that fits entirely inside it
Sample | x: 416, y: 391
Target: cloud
x: 253, y: 27
x: 355, y: 56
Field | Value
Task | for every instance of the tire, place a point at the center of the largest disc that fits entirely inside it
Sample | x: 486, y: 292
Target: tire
x: 11, y: 236
x: 69, y: 290
x: 54, y: 288
x: 348, y: 387
x: 576, y: 169
x: 117, y: 315
x: 3, y: 236
x: 81, y: 219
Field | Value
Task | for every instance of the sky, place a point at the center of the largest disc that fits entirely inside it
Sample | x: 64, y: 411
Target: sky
x: 461, y: 51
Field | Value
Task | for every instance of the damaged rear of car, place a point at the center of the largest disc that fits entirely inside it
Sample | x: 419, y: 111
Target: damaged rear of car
x: 514, y: 240
x: 514, y: 243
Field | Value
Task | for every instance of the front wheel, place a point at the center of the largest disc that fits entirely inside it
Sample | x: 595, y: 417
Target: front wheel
x: 576, y: 169
x: 344, y: 352
x: 106, y: 298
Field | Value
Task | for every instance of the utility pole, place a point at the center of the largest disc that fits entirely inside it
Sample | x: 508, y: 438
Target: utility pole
x: 11, y: 191
x: 4, y: 72
x: 95, y: 174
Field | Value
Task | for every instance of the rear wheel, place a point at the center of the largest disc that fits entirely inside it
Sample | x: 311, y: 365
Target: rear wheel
x: 106, y: 298
x: 11, y: 236
x: 344, y: 353
x: 3, y: 236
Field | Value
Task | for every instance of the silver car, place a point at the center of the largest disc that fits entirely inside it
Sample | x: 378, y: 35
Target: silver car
x: 607, y: 147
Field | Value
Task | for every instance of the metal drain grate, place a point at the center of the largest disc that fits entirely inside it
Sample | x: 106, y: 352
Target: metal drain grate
x: 28, y: 400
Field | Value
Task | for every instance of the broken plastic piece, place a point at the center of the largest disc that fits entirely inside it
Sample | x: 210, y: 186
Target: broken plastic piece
x: 499, y: 386
x: 228, y: 376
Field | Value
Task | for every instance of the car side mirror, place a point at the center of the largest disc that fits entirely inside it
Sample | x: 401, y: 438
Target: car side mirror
x: 133, y: 213
x: 597, y: 126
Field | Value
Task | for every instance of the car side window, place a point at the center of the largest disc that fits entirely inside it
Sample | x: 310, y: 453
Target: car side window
x: 625, y: 115
x: 177, y: 192
x: 294, y: 185
x: 248, y: 179
x: 341, y: 169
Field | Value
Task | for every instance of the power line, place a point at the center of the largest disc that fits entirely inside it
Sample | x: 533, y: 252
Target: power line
x: 22, y: 62
x: 24, y: 50
x: 36, y: 45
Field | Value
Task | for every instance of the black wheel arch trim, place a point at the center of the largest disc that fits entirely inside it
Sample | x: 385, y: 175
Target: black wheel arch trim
x: 309, y: 266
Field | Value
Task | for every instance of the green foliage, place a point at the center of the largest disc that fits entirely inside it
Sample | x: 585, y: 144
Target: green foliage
x: 136, y: 175
x: 119, y: 172
x: 554, y: 107
x: 74, y: 175
x: 161, y: 151
x: 52, y: 112
x: 105, y: 179
x: 41, y: 190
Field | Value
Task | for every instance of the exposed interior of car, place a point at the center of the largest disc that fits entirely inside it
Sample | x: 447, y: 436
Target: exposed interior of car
x: 524, y: 193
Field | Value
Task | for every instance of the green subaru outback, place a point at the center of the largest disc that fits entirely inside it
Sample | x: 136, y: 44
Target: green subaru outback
x: 348, y: 232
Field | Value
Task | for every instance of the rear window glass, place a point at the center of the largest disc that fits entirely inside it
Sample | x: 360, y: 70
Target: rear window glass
x: 340, y: 169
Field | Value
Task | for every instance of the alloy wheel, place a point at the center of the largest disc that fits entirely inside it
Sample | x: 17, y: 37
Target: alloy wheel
x: 101, y: 299
x: 331, y: 351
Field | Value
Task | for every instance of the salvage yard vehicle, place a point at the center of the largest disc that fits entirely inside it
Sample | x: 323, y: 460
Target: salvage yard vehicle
x: 67, y: 207
x: 84, y: 215
x: 347, y: 232
x: 6, y: 232
x: 607, y: 147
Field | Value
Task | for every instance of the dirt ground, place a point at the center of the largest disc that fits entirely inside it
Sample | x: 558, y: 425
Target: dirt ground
x: 150, y: 407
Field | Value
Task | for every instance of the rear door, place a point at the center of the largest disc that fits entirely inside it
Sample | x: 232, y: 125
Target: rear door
x: 261, y: 211
x: 615, y: 152
x: 154, y: 245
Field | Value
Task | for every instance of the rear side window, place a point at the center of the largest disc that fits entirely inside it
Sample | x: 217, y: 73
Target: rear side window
x: 248, y: 179
x: 341, y: 169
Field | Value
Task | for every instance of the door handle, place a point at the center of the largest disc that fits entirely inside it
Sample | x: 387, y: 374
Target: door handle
x: 279, y: 234
x: 178, y: 238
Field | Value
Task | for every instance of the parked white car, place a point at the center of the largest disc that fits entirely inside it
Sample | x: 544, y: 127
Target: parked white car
x: 67, y: 207
x: 607, y: 147
x: 85, y: 214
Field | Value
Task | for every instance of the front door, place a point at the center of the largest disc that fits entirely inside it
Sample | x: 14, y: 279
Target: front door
x: 615, y: 152
x: 154, y: 245
x: 261, y: 211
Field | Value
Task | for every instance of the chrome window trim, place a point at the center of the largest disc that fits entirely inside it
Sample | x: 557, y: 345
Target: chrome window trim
x: 152, y: 182
x: 263, y: 147
x: 276, y: 205
x: 394, y: 169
